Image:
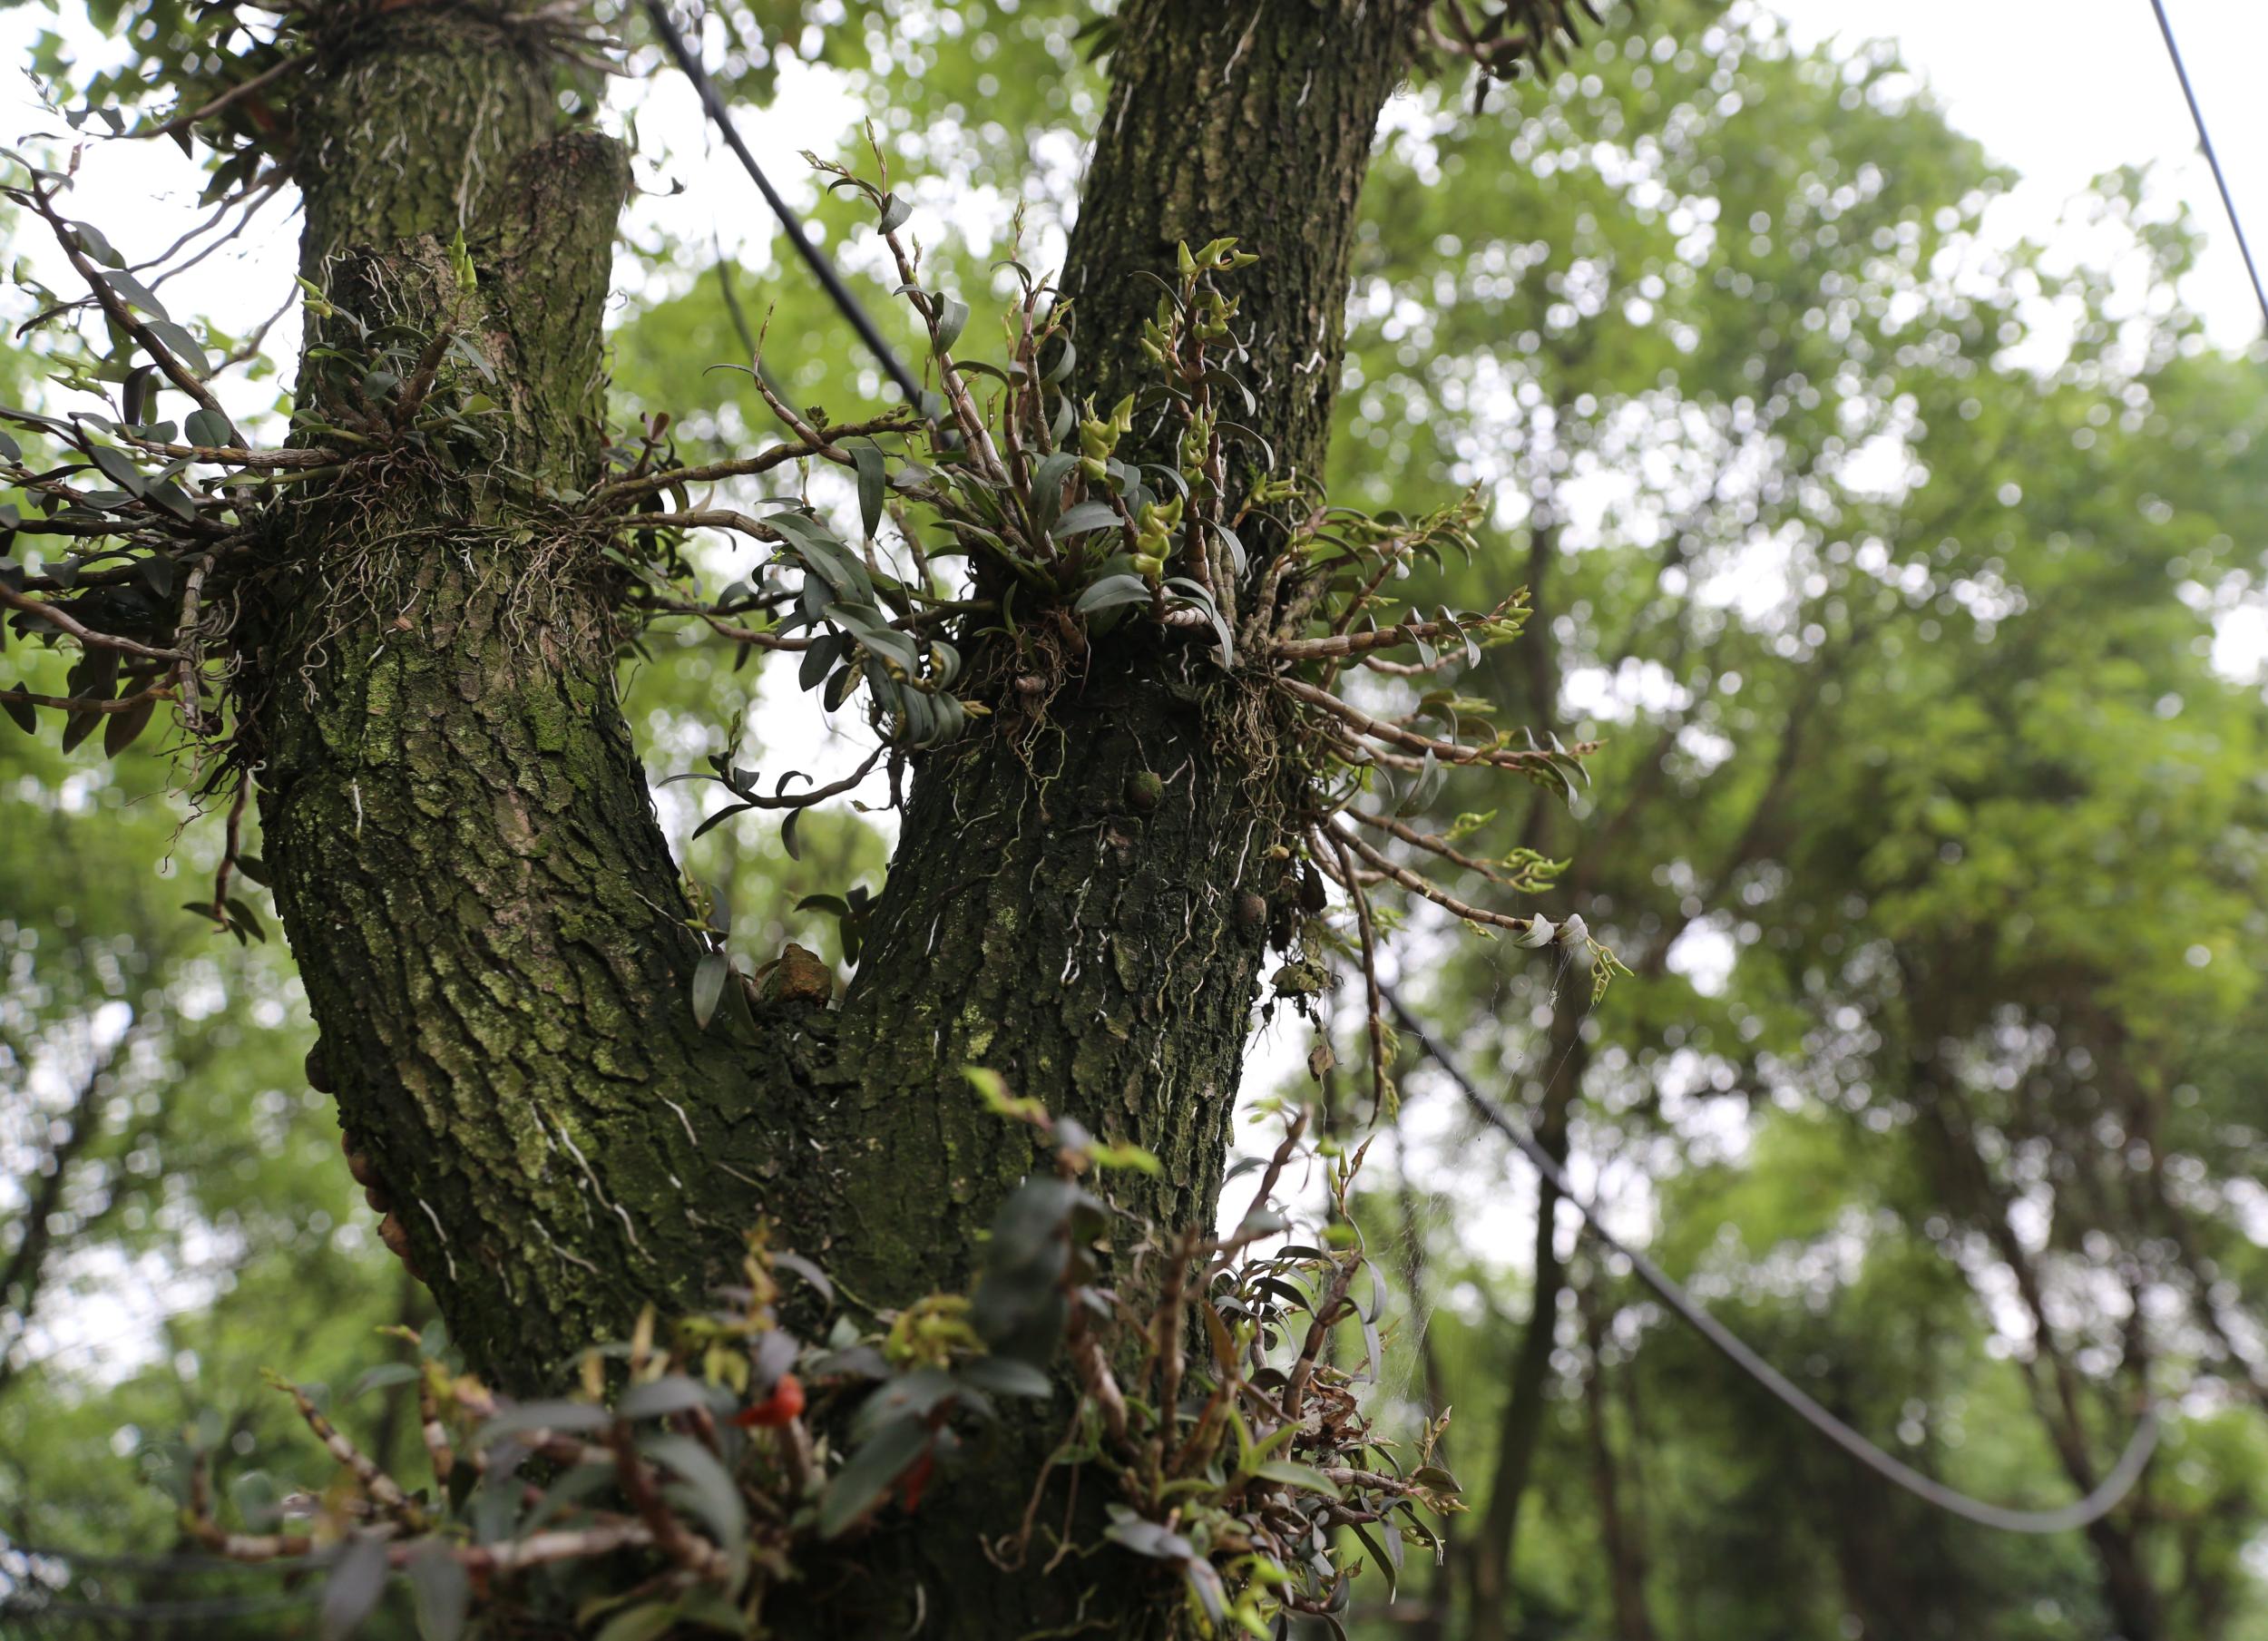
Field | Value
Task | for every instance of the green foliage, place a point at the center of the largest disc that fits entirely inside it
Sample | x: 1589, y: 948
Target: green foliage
x: 733, y: 1451
x: 175, y: 1213
x: 1923, y: 817
x: 1893, y: 608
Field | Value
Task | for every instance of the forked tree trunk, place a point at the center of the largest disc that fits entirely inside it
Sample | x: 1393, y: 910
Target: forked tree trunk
x: 485, y: 913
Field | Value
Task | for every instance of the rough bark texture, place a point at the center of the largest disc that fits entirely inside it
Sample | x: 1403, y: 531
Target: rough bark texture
x: 1255, y: 121
x: 486, y: 916
x: 466, y: 859
x: 1035, y: 921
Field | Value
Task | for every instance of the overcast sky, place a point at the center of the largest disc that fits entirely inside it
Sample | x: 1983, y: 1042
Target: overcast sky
x: 2064, y: 90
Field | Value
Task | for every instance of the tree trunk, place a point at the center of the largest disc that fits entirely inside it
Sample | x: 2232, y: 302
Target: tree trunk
x: 1496, y: 1543
x: 482, y: 908
x: 1966, y: 1179
x: 1618, y: 1536
x: 490, y: 927
x: 1254, y: 121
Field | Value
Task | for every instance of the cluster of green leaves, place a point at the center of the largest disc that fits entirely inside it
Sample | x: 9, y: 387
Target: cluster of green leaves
x: 1924, y: 816
x: 1069, y: 533
x: 117, y: 487
x: 909, y: 681
x: 368, y: 385
x: 700, y: 1436
x: 696, y: 1446
x: 220, y: 58
x: 701, y: 1445
x: 1237, y: 1464
x: 1031, y: 485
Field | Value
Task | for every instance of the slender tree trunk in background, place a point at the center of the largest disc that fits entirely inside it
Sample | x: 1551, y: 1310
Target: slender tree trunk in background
x: 1441, y: 1590
x: 1495, y: 1543
x: 23, y: 1271
x: 1636, y: 1515
x: 1626, y: 1553
x: 1874, y: 1555
x: 2226, y: 1323
x: 1967, y: 1179
x: 486, y: 915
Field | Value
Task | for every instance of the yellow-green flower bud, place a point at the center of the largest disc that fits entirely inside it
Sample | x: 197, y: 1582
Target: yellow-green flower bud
x: 1197, y: 446
x: 1154, y: 526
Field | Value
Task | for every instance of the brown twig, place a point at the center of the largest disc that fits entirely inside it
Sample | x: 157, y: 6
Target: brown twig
x: 185, y: 670
x: 114, y: 305
x: 1419, y: 883
x: 1433, y: 843
x: 1454, y: 752
x: 85, y: 634
x: 384, y: 1490
x: 1375, y: 1023
x: 75, y: 703
x: 820, y: 442
x: 235, y: 94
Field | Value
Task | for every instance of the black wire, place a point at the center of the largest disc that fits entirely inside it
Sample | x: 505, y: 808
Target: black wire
x: 2204, y: 141
x: 2098, y: 1504
x: 713, y: 103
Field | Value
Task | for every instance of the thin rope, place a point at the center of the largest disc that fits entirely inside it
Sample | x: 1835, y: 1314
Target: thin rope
x: 2204, y: 141
x: 2098, y: 1504
x: 713, y: 103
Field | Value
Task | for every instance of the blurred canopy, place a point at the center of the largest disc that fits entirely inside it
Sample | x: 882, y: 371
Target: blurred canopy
x: 1888, y: 561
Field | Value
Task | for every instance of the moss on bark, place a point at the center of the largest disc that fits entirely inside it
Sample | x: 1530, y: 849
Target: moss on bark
x: 486, y: 916
x: 1255, y: 121
x: 485, y: 912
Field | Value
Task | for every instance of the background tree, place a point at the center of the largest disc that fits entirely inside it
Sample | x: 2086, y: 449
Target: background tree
x: 1873, y: 534
x: 1701, y: 438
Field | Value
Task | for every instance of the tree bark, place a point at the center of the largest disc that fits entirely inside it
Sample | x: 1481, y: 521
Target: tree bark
x: 491, y: 929
x: 482, y: 908
x: 1255, y: 121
